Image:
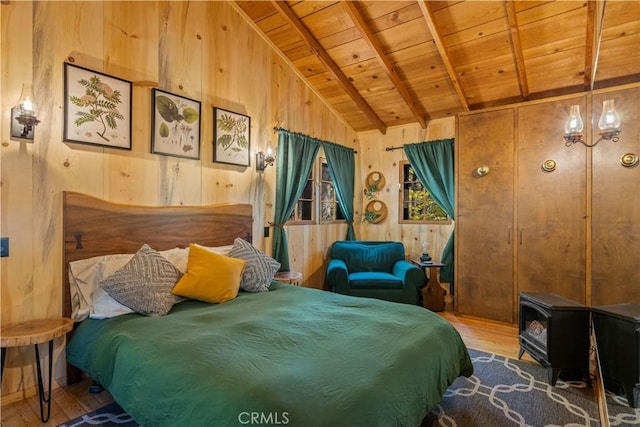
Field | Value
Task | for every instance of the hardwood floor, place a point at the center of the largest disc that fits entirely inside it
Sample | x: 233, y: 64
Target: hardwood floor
x: 72, y: 401
x: 66, y: 403
x: 487, y: 335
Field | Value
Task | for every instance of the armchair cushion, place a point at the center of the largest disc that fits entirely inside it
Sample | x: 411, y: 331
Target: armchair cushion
x: 371, y: 280
x: 373, y: 269
x: 362, y: 256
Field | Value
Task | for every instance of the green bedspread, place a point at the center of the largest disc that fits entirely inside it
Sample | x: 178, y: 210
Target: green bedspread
x: 291, y: 356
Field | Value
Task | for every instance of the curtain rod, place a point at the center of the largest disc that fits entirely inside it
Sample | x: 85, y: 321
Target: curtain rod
x: 393, y: 148
x: 276, y: 129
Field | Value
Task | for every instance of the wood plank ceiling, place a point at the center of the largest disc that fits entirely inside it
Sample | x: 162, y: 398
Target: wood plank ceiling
x: 387, y: 63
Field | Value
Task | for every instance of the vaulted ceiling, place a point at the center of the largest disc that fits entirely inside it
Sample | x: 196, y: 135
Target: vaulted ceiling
x: 387, y: 63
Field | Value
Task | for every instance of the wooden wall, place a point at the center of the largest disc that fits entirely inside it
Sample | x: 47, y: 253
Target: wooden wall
x: 201, y: 50
x: 374, y: 157
x: 573, y: 230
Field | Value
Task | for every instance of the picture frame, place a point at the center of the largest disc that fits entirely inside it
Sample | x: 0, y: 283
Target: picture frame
x: 175, y: 125
x: 232, y: 137
x: 97, y: 108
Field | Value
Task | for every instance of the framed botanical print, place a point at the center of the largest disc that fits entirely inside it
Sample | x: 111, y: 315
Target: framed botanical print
x: 175, y: 124
x: 231, y: 137
x: 97, y: 108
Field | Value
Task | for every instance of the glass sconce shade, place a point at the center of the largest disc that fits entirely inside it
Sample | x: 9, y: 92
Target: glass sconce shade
x: 609, y: 120
x: 574, y: 123
x: 263, y: 160
x: 23, y: 115
x: 609, y: 125
x: 25, y: 104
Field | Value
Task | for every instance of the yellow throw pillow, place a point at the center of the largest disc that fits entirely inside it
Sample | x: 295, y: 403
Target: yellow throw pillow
x: 210, y: 277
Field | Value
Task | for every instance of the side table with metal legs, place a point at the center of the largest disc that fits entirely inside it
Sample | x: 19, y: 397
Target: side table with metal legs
x: 36, y: 332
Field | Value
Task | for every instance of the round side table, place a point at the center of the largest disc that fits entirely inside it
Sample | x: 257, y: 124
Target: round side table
x: 292, y: 277
x: 36, y: 332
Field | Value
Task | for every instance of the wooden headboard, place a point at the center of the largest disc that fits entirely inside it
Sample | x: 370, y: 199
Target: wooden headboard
x: 94, y: 227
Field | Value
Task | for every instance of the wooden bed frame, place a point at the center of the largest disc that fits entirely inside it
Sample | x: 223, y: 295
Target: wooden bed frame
x: 94, y: 227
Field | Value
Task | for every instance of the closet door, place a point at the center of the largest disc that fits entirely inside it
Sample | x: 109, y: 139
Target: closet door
x: 484, y: 216
x: 616, y: 205
x: 551, y: 213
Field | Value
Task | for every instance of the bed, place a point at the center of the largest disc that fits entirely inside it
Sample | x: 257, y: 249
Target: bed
x: 293, y: 355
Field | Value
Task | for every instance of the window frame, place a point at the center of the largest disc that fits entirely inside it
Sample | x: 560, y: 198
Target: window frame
x: 401, y: 200
x: 337, y: 211
x: 317, y: 182
x: 313, y: 200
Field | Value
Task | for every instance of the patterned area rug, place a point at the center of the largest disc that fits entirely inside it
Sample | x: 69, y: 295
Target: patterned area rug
x: 502, y: 392
x: 620, y: 414
x: 510, y: 392
x: 107, y: 416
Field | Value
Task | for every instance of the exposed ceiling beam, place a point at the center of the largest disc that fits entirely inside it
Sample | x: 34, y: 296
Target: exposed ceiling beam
x: 442, y: 50
x: 313, y: 44
x: 591, y: 45
x: 236, y: 6
x: 415, y: 107
x: 516, y: 46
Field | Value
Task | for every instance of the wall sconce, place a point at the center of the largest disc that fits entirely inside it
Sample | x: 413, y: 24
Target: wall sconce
x: 609, y: 122
x: 23, y: 115
x: 609, y: 125
x: 264, y: 160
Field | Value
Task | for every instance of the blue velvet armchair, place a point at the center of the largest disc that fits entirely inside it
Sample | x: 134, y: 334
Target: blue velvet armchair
x: 374, y: 269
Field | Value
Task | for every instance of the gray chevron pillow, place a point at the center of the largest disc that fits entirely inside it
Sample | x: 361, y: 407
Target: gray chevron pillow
x: 144, y: 283
x: 259, y: 269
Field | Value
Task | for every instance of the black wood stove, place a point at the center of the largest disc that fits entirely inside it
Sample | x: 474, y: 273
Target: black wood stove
x: 617, y: 331
x: 555, y: 331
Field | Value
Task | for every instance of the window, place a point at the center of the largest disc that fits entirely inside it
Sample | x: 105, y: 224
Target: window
x: 303, y: 213
x: 329, y: 207
x: 307, y: 209
x: 416, y: 204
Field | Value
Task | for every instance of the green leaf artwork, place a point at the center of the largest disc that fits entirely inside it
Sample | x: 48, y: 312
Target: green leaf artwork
x: 232, y: 137
x: 370, y: 216
x: 164, y: 130
x: 190, y: 115
x: 168, y: 109
x: 235, y: 138
x: 177, y: 125
x: 98, y: 104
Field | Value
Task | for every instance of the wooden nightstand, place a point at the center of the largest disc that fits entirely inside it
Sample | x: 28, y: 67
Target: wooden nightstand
x: 36, y: 332
x: 432, y: 292
x: 292, y: 277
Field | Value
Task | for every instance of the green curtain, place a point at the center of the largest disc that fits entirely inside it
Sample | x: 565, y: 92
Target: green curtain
x: 342, y: 166
x: 295, y: 156
x: 432, y: 162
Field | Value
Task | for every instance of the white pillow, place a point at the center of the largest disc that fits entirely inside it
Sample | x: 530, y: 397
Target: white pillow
x: 104, y: 306
x: 88, y: 300
x: 220, y: 250
x: 86, y: 274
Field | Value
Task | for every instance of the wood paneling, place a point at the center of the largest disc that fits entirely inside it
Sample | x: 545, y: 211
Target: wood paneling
x: 616, y: 206
x: 486, y: 51
x: 485, y: 209
x: 202, y: 50
x: 551, y: 206
x: 373, y: 156
x: 576, y: 229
